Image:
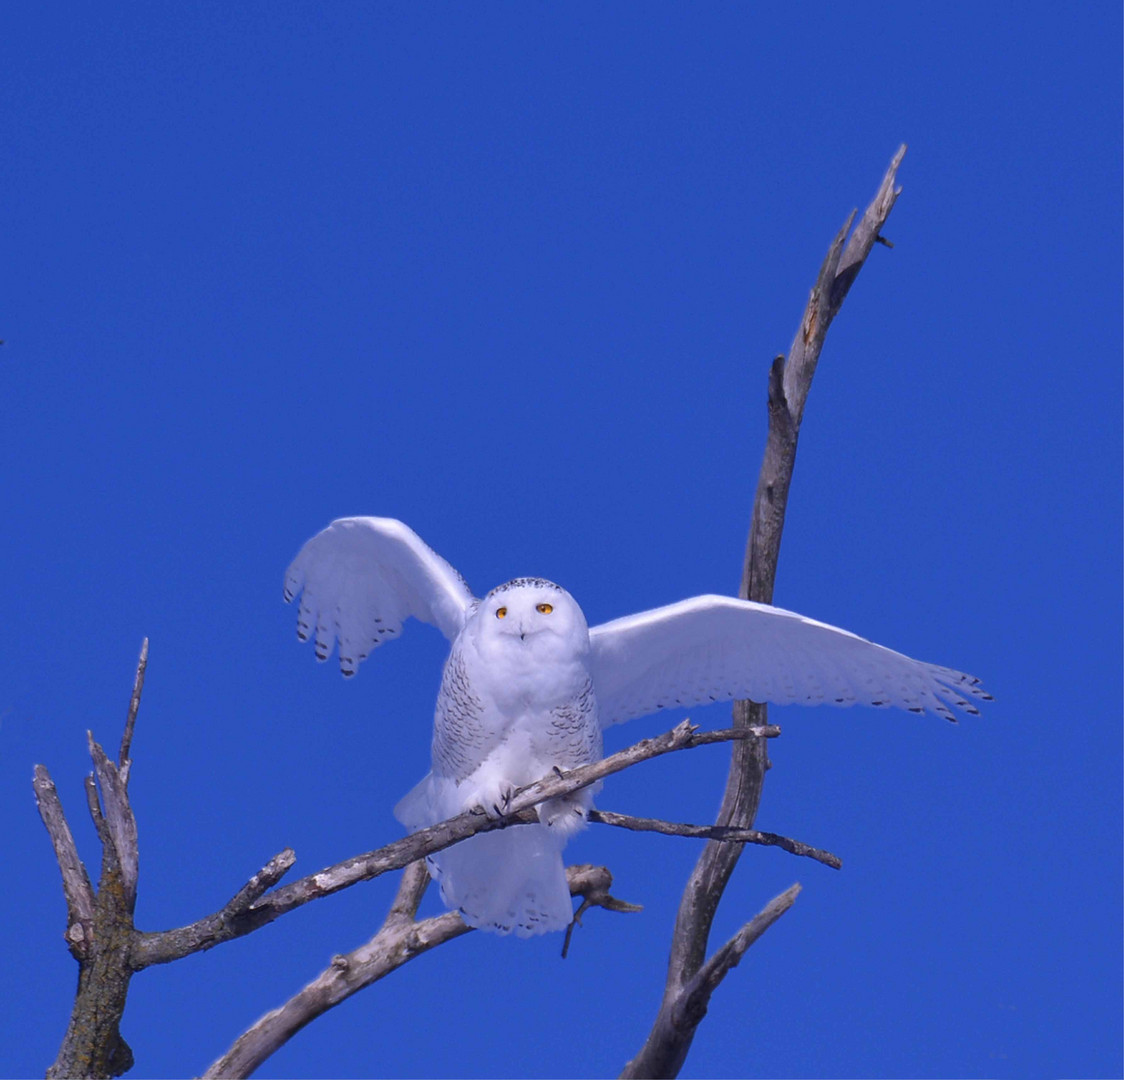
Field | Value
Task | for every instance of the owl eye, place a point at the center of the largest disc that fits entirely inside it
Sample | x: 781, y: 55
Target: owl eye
x: 546, y: 609
x: 501, y: 612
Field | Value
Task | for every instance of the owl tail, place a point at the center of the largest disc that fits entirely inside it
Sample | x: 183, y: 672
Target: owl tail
x: 510, y: 881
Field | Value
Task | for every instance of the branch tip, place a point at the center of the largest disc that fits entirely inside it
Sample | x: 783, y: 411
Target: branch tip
x: 134, y: 706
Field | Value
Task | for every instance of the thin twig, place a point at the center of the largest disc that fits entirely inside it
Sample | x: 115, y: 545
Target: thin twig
x: 94, y: 807
x: 121, y: 826
x: 593, y: 883
x: 696, y: 995
x: 134, y: 705
x: 715, y: 832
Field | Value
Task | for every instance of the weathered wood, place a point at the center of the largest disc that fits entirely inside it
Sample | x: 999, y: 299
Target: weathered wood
x: 398, y: 941
x: 666, y: 1047
x: 100, y: 931
x: 714, y: 832
x: 76, y: 887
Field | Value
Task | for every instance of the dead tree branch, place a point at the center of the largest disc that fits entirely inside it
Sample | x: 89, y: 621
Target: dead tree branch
x: 693, y: 1002
x: 167, y: 945
x: 715, y: 832
x: 666, y: 1047
x: 76, y: 885
x: 101, y: 924
x: 399, y: 940
x: 134, y: 706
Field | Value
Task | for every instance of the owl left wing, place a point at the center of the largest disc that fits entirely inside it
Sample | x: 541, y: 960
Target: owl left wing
x: 362, y: 577
x: 717, y: 648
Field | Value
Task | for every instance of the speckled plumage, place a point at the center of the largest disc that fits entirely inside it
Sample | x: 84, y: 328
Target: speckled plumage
x: 528, y: 687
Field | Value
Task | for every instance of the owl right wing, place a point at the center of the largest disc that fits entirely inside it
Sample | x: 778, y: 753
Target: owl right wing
x: 361, y: 578
x: 717, y: 648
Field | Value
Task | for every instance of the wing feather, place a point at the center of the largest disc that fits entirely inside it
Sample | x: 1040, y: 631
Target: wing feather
x: 361, y: 578
x: 717, y: 648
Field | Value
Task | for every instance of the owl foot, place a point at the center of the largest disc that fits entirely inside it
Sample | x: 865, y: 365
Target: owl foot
x: 496, y: 802
x: 565, y: 815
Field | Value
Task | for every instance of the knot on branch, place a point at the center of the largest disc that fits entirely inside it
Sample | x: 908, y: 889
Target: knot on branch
x: 592, y: 884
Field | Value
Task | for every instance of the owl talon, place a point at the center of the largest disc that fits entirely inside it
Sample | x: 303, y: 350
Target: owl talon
x: 558, y: 772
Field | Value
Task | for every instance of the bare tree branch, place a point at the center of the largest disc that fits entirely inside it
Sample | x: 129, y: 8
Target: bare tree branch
x: 697, y: 993
x: 121, y: 826
x: 677, y: 1025
x: 92, y: 1045
x: 76, y: 885
x: 398, y: 941
x: 593, y: 883
x: 789, y: 382
x: 167, y: 945
x: 134, y: 706
x: 94, y: 807
x: 715, y: 832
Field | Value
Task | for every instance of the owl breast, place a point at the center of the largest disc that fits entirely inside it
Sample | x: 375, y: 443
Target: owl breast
x: 513, y: 714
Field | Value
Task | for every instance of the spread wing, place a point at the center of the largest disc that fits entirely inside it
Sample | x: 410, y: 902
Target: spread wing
x: 716, y: 648
x: 362, y: 577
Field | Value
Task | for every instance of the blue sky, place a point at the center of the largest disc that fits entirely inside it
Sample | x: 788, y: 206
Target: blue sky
x: 514, y: 274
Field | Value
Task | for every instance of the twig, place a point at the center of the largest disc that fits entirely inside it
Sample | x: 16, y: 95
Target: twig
x: 696, y: 994
x: 593, y: 883
x: 121, y: 826
x: 134, y: 705
x: 94, y: 807
x: 715, y: 832
x: 790, y: 380
x: 164, y: 946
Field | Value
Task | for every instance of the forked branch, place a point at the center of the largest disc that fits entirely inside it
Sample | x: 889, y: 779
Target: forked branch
x: 398, y: 941
x: 790, y: 379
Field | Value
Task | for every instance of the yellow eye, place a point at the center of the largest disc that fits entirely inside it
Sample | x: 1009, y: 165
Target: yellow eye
x: 501, y: 612
x: 546, y: 609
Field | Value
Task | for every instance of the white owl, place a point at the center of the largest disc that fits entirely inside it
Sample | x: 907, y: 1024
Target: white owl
x: 528, y: 687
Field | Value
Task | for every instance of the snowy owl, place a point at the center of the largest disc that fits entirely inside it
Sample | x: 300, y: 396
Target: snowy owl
x: 528, y: 687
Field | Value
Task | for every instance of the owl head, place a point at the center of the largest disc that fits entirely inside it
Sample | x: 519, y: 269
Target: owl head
x: 532, y: 615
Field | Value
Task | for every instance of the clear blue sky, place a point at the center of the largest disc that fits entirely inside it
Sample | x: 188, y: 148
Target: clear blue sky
x: 514, y: 274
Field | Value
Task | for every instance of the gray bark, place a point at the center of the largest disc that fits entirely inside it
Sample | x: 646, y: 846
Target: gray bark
x: 398, y: 941
x: 666, y: 1047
